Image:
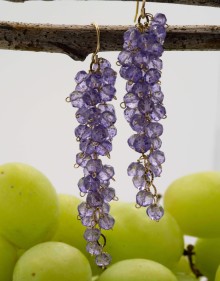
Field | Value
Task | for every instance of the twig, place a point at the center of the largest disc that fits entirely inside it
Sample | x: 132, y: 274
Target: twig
x: 190, y: 253
x: 211, y: 3
x: 79, y: 41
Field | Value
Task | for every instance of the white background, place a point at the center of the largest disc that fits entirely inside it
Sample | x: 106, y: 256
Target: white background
x: 37, y: 125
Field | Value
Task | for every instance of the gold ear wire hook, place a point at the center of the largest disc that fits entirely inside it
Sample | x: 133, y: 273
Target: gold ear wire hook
x: 142, y: 10
x: 98, y: 41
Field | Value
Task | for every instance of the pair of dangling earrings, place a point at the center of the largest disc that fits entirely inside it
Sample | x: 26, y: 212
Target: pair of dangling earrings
x: 143, y: 107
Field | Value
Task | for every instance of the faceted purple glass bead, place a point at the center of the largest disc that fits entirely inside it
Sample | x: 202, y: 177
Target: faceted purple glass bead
x: 104, y: 63
x: 80, y: 76
x: 91, y: 184
x: 156, y: 157
x: 107, y: 119
x: 144, y: 198
x: 156, y: 143
x: 145, y: 105
x: 157, y: 97
x: 156, y: 63
x: 76, y: 99
x: 99, y: 133
x: 156, y: 170
x: 129, y: 86
x: 129, y: 113
x: 112, y: 131
x: 87, y: 146
x: 140, y: 89
x: 108, y: 194
x: 85, y: 172
x: 131, y: 73
x: 81, y: 185
x: 107, y: 145
x: 106, y: 222
x: 159, y: 19
x: 105, y: 208
x: 138, y: 123
x: 155, y: 88
x: 92, y: 234
x: 94, y: 166
x: 136, y: 169
x: 109, y: 76
x: 142, y: 144
x: 94, y: 248
x: 154, y: 129
x: 92, y: 98
x: 131, y: 140
x: 139, y: 182
x: 159, y: 31
x: 94, y: 81
x: 81, y: 87
x: 94, y: 199
x: 83, y: 132
x: 155, y: 212
x: 104, y: 148
x: 156, y: 49
x: 152, y: 76
x: 82, y: 159
x: 82, y: 115
x: 103, y: 259
x: 130, y: 38
x: 143, y: 42
x: 159, y: 112
x: 106, y: 173
x: 104, y: 183
x: 84, y: 210
x: 107, y: 93
x: 94, y: 116
x: 106, y: 107
x: 125, y: 58
x: 141, y: 59
x: 88, y: 221
x: 131, y: 100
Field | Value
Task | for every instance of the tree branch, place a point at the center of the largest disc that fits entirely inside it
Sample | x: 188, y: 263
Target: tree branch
x: 78, y: 41
x: 211, y: 3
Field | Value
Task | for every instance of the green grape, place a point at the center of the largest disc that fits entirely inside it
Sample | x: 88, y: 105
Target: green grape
x: 28, y: 205
x: 185, y: 277
x: 8, y: 257
x: 162, y: 241
x: 137, y: 270
x: 217, y: 276
x: 52, y: 261
x: 20, y: 252
x: 136, y: 236
x: 207, y: 258
x: 193, y: 200
x: 69, y: 230
x: 182, y: 266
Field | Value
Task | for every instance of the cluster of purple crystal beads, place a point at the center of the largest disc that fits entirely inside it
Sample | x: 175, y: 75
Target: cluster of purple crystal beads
x: 141, y: 67
x: 95, y: 132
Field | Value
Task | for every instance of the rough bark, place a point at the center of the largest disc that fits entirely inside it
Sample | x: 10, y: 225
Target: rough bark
x: 211, y: 3
x: 79, y: 41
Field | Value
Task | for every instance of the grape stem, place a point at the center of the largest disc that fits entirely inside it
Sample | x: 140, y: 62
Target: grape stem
x: 190, y: 253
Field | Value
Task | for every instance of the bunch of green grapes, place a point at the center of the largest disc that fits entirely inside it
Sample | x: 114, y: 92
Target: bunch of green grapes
x: 193, y: 200
x: 41, y: 238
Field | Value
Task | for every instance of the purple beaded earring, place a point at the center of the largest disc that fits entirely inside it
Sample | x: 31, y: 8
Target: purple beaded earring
x: 141, y: 66
x: 95, y: 133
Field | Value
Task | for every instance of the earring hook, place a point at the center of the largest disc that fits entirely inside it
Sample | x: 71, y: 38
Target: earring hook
x: 142, y: 10
x: 98, y: 40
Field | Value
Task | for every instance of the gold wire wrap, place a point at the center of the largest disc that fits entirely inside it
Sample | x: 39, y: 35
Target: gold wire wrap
x: 94, y: 55
x: 142, y: 10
